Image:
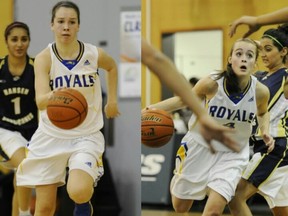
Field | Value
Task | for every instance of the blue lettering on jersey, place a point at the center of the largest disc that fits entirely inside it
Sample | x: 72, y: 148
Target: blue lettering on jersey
x: 70, y: 81
x: 234, y: 115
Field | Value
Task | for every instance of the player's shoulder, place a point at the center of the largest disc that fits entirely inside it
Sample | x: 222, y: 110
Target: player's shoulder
x: 43, y: 54
x: 208, y: 81
x: 262, y: 90
x: 89, y: 48
x: 2, y: 59
x: 30, y: 60
x: 206, y: 86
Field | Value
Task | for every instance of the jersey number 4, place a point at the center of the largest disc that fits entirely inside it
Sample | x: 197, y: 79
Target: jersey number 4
x: 230, y: 125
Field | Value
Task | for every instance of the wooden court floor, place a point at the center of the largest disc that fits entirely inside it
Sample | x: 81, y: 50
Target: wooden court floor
x: 146, y: 212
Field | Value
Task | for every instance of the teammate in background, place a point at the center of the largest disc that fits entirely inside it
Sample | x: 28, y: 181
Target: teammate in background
x: 255, y: 23
x: 18, y: 110
x: 164, y: 68
x: 267, y: 174
x: 233, y: 98
x: 52, y: 149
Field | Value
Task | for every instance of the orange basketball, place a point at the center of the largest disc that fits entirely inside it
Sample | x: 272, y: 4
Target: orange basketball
x: 67, y: 108
x: 157, y: 127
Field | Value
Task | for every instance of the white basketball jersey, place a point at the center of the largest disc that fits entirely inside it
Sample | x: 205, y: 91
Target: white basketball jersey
x: 84, y: 77
x: 238, y: 115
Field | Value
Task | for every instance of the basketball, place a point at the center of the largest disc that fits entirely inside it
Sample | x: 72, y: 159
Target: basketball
x: 157, y: 127
x: 67, y: 108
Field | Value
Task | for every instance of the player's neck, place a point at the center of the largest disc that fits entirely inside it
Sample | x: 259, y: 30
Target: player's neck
x: 243, y: 83
x: 275, y: 69
x: 16, y: 65
x: 68, y: 51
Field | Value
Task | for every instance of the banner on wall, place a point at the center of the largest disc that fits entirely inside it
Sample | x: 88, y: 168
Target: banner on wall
x: 130, y: 51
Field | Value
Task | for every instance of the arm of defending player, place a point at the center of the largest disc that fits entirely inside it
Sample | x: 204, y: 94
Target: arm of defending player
x: 254, y: 23
x: 286, y: 89
x: 263, y: 116
x: 42, y: 66
x: 167, y: 72
x: 107, y: 63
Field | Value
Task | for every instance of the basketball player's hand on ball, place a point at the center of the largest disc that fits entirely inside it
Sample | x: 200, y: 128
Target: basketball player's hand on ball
x: 111, y: 110
x: 211, y: 130
x: 269, y: 141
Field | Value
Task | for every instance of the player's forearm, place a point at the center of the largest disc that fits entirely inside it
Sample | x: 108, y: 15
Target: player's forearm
x: 279, y: 16
x: 286, y: 89
x: 264, y: 121
x: 179, y: 85
x: 169, y: 105
x: 42, y: 100
x: 112, y: 83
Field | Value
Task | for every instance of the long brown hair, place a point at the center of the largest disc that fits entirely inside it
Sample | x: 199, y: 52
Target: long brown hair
x: 232, y: 80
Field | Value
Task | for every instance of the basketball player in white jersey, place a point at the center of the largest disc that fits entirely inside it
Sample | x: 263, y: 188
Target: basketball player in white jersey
x: 68, y: 63
x: 164, y: 68
x: 233, y: 98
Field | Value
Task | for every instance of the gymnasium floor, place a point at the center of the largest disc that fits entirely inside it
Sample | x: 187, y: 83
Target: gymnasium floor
x: 258, y: 209
x: 168, y: 213
x: 146, y: 212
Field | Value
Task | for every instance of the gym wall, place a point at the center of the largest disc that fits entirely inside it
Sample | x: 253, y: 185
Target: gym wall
x: 169, y: 16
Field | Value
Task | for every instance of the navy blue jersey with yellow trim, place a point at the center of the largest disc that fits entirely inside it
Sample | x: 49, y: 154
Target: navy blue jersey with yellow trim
x: 277, y: 105
x: 274, y: 82
x: 18, y: 110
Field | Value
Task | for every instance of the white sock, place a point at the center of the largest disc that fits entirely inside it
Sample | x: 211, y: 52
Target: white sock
x: 24, y: 213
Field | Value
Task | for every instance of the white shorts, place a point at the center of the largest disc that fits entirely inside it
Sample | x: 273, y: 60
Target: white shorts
x: 281, y: 199
x: 275, y: 188
x: 48, y: 157
x: 199, y: 169
x: 11, y: 141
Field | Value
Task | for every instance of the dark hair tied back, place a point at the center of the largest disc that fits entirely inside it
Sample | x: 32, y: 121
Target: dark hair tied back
x: 16, y: 25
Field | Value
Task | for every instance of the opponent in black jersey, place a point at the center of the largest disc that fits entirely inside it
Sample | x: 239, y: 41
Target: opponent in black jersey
x: 18, y: 110
x: 267, y: 173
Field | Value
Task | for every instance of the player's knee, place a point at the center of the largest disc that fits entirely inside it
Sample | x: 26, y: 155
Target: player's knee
x: 80, y: 193
x: 213, y: 213
x: 47, y: 209
x: 180, y: 208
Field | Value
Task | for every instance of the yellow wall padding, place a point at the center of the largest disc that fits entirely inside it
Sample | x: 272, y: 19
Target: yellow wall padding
x: 6, y: 17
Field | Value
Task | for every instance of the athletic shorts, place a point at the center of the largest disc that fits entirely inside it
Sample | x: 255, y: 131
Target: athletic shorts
x: 272, y: 182
x: 11, y: 141
x: 198, y: 170
x: 48, y: 157
x: 281, y: 199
